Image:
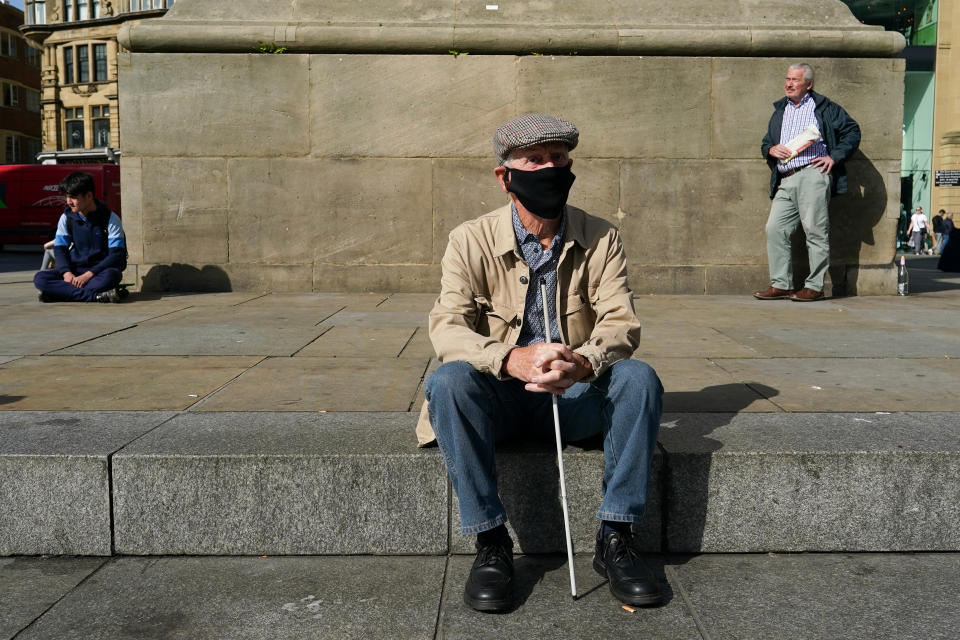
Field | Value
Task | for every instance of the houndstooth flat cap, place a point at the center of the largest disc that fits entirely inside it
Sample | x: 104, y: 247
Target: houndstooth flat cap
x: 530, y: 129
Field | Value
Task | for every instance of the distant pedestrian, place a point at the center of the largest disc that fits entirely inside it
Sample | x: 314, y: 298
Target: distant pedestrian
x: 950, y: 254
x: 918, y: 230
x: 90, y: 248
x: 821, y: 138
x: 937, y: 224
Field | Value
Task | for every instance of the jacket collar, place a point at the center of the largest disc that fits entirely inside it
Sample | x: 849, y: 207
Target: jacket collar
x: 102, y: 212
x: 505, y: 240
x: 817, y: 100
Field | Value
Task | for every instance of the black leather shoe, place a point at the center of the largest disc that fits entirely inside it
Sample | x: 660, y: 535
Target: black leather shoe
x: 490, y: 585
x: 631, y: 581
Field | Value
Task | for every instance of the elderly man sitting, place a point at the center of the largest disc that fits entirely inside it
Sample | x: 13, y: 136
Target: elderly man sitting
x: 501, y: 363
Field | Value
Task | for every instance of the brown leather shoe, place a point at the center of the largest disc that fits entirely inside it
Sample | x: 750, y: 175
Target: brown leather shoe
x: 806, y: 295
x: 773, y: 294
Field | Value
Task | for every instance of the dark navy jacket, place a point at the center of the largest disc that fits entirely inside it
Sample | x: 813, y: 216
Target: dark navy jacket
x: 92, y: 244
x: 840, y: 132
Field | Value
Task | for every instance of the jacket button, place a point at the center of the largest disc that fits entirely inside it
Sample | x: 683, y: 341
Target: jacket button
x: 523, y: 280
x: 518, y: 322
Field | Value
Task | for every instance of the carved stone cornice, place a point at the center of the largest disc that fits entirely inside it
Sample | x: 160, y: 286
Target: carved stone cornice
x: 592, y: 27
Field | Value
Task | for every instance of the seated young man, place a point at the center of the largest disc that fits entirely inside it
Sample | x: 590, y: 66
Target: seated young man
x: 90, y: 248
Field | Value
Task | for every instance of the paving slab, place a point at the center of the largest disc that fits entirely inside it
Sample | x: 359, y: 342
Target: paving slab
x: 116, y: 383
x: 250, y: 598
x: 54, y: 471
x: 898, y: 342
x: 811, y: 482
x: 280, y: 483
x: 679, y: 339
x: 379, y: 318
x: 854, y: 384
x: 14, y: 295
x: 197, y: 299
x: 545, y: 609
x: 361, y: 342
x: 529, y: 483
x: 417, y: 302
x: 212, y: 331
x: 30, y: 586
x: 700, y: 384
x: 353, y: 301
x: 419, y: 346
x: 814, y: 596
x: 34, y: 331
x: 322, y: 384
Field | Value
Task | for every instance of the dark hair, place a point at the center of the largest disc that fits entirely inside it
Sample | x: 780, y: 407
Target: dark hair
x: 77, y: 183
x: 942, y: 211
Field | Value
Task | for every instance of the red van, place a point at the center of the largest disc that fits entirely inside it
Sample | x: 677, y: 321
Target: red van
x: 30, y: 200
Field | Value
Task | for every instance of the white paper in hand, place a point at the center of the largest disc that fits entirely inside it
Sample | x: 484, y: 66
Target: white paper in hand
x: 803, y: 140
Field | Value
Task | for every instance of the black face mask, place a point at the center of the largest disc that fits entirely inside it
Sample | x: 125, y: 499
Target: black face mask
x: 542, y: 192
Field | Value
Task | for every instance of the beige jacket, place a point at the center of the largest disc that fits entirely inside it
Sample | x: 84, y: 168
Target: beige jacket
x: 483, y: 291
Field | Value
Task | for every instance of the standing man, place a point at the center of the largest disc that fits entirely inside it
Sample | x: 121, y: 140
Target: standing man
x: 90, y: 248
x: 501, y: 364
x: 937, y: 224
x: 801, y: 183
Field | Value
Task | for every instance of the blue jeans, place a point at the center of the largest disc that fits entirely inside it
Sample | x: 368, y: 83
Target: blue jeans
x: 51, y: 283
x: 471, y: 411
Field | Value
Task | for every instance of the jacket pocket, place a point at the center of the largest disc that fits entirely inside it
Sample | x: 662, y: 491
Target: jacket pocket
x: 494, y: 319
x: 578, y: 319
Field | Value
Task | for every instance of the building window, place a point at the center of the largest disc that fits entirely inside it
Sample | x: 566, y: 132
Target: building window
x: 101, y: 130
x: 82, y: 10
x: 146, y: 5
x: 68, y: 65
x: 68, y: 8
x: 33, y: 101
x: 11, y: 95
x: 13, y: 150
x: 34, y: 147
x: 36, y: 12
x: 83, y: 64
x: 99, y: 63
x: 8, y: 44
x: 33, y: 56
x: 74, y: 120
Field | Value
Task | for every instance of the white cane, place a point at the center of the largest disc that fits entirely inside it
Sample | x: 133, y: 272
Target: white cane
x: 556, y: 430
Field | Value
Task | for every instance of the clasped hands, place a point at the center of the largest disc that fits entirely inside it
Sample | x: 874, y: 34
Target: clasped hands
x: 77, y: 281
x: 824, y: 163
x: 546, y: 367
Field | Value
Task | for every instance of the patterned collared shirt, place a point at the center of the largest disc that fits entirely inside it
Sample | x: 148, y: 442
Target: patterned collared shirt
x: 796, y: 118
x: 543, y: 264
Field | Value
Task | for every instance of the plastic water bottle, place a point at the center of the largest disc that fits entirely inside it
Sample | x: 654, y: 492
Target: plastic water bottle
x: 903, y: 279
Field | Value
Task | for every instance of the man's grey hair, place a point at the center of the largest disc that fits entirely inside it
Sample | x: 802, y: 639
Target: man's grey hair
x: 807, y: 70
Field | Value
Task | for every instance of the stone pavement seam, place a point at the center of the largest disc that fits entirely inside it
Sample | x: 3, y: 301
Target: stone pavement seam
x: 677, y: 586
x: 442, y: 600
x: 223, y: 386
x: 418, y: 392
x: 323, y: 333
x: 111, y: 486
x: 62, y: 597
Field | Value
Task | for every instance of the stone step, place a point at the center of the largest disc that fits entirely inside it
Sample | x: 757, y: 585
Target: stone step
x: 304, y: 483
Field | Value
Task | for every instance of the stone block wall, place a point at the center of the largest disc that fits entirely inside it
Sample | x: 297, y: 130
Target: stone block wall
x: 325, y: 172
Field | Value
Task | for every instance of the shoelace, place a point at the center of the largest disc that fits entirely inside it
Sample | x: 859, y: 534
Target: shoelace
x: 624, y: 549
x: 491, y: 554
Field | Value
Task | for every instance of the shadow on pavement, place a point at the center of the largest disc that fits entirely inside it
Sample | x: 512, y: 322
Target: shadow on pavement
x: 926, y: 278
x: 684, y: 521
